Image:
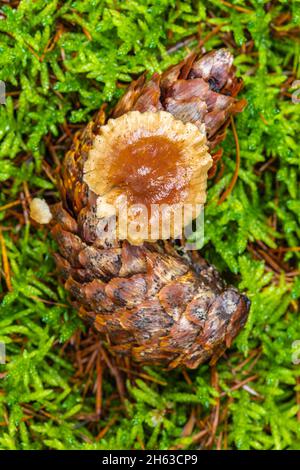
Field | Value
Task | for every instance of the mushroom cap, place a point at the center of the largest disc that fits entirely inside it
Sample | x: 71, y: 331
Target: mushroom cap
x: 147, y: 167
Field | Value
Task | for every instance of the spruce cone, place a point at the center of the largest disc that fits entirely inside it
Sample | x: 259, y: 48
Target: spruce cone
x: 148, y: 300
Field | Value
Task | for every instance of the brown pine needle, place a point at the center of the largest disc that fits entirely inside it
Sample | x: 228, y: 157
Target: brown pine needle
x: 99, y: 371
x: 190, y: 424
x: 263, y: 119
x: 288, y: 248
x: 187, y: 378
x: 240, y: 384
x: 236, y: 7
x: 142, y: 375
x: 106, y: 429
x: 237, y: 166
x: 48, y: 302
x: 9, y: 205
x: 211, y: 34
x: 6, y: 267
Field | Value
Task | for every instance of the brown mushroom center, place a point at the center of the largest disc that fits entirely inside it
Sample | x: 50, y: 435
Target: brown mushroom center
x: 151, y: 171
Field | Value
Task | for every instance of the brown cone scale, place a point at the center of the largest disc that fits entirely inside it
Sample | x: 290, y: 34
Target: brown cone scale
x: 147, y: 301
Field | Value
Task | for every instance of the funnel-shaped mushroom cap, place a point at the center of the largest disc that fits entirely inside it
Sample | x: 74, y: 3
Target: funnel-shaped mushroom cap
x: 148, y: 165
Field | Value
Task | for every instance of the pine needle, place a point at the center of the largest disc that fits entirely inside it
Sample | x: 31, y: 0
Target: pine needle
x: 237, y: 166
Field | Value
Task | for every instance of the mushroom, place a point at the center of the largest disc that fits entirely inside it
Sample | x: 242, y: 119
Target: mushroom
x: 40, y: 211
x: 150, y: 171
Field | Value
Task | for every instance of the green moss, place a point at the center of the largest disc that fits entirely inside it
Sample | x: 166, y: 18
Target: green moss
x: 60, y: 61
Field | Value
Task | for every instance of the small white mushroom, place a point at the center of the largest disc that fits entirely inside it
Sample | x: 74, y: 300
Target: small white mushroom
x: 40, y: 211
